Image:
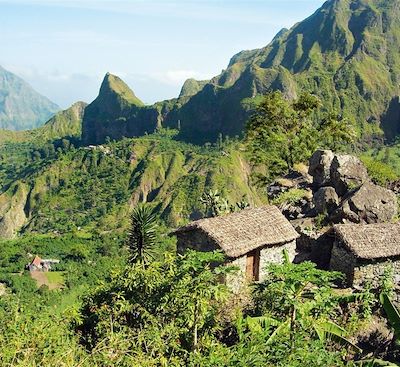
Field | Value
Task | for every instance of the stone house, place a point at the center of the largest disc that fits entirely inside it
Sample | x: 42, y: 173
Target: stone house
x: 38, y: 264
x: 365, y: 251
x: 250, y: 239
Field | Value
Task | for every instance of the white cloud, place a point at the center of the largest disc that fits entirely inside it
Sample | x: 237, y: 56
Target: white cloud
x: 178, y: 77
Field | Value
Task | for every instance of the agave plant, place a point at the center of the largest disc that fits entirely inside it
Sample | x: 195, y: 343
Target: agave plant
x: 142, y: 236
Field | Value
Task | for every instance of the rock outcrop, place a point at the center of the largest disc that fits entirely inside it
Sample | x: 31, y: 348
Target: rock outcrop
x: 336, y: 187
x: 344, y: 192
x: 325, y: 200
x: 338, y: 190
x: 12, y: 213
x: 320, y: 167
x: 368, y: 204
x: 346, y: 173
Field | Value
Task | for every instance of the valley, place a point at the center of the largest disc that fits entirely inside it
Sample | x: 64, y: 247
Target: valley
x: 251, y: 221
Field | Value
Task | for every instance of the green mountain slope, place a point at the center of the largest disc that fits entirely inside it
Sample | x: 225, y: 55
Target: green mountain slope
x: 346, y: 53
x: 67, y: 123
x: 21, y: 107
x: 93, y: 188
x: 26, y: 151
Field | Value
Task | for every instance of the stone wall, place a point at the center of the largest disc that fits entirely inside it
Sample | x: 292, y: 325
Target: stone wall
x: 359, y: 271
x: 268, y: 255
x: 199, y: 241
x: 237, y: 280
x: 373, y: 272
x: 343, y: 261
x: 274, y: 255
x: 195, y: 240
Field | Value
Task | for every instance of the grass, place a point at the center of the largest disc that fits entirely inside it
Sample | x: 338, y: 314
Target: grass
x: 55, y: 277
x: 51, y: 279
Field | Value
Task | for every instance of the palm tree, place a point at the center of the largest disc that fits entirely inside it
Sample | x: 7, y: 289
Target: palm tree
x: 142, y: 236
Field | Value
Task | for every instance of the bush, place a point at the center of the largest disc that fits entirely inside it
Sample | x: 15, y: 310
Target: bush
x: 380, y: 173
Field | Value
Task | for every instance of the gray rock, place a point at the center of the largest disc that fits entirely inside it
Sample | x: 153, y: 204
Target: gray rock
x: 3, y: 289
x: 368, y: 204
x: 12, y: 210
x: 347, y: 172
x: 319, y: 167
x: 326, y: 200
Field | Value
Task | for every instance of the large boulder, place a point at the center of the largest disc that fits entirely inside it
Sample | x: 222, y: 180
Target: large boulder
x: 326, y: 200
x: 319, y: 167
x: 346, y: 173
x: 368, y: 204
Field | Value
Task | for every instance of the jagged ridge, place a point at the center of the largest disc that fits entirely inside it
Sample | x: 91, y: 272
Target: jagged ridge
x: 346, y: 53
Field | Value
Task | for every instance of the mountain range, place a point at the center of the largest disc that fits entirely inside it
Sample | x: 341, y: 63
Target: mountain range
x: 56, y: 178
x: 21, y: 107
x: 347, y: 53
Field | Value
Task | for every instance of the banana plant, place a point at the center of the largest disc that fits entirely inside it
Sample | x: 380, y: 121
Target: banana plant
x: 324, y: 330
x: 392, y: 313
x: 328, y: 330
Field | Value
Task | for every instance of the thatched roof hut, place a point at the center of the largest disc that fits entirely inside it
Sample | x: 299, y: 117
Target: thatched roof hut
x: 365, y: 251
x: 370, y: 241
x: 242, y: 232
x: 250, y: 239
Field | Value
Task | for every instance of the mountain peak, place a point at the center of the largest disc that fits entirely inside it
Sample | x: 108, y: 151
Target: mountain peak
x: 191, y: 87
x: 113, y: 85
x: 21, y: 107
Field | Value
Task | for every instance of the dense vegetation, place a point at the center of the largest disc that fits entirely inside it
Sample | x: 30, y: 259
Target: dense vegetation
x: 173, y: 311
x: 281, y: 133
x: 120, y: 294
x: 63, y: 188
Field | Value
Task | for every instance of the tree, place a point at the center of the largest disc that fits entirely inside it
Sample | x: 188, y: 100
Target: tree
x: 216, y: 205
x: 142, y: 236
x: 281, y: 133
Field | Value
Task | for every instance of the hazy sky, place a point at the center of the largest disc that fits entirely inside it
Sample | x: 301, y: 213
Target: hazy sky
x: 63, y: 48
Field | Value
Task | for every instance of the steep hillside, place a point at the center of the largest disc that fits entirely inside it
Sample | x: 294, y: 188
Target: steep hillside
x: 346, y: 53
x: 93, y: 188
x: 67, y: 123
x: 27, y: 151
x: 21, y: 107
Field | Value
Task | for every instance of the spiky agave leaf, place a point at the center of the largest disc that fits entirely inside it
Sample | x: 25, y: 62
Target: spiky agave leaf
x: 142, y: 236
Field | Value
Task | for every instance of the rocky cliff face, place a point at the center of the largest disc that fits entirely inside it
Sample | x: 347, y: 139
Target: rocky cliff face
x: 12, y: 210
x: 21, y: 107
x: 346, y: 53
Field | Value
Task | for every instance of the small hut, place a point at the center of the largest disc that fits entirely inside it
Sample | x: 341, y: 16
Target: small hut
x: 38, y: 264
x: 35, y: 264
x: 365, y: 251
x: 250, y: 239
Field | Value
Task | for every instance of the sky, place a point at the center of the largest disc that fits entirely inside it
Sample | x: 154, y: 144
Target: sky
x: 63, y: 48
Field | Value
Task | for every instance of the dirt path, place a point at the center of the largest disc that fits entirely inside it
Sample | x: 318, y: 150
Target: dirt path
x: 40, y: 277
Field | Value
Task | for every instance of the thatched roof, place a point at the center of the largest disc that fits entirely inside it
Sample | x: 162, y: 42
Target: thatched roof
x: 241, y: 232
x: 370, y: 241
